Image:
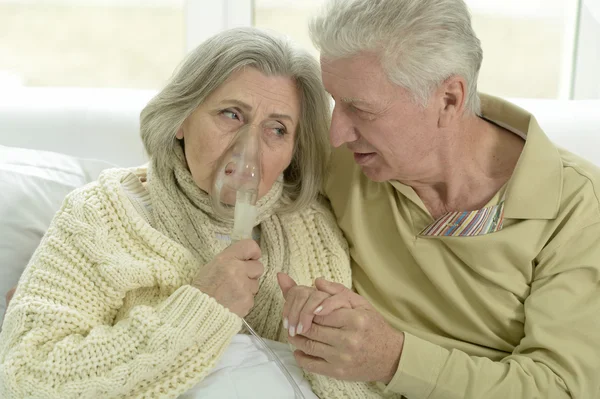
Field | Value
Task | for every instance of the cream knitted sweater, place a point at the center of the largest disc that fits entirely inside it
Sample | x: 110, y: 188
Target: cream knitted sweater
x: 105, y: 309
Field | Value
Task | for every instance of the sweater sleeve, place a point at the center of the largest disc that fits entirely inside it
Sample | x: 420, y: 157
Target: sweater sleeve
x: 331, y: 259
x: 559, y: 356
x: 333, y: 263
x: 59, y: 339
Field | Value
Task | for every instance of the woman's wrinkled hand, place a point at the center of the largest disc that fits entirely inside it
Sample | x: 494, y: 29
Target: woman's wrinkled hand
x: 232, y: 276
x: 303, y: 303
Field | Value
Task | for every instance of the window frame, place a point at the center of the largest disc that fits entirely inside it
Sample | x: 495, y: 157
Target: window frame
x: 585, y: 81
x: 204, y: 18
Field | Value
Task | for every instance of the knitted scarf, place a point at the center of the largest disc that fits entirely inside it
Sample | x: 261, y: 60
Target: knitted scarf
x: 183, y: 212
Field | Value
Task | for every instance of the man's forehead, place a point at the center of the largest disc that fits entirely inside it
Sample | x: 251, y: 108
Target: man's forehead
x: 356, y: 92
x: 353, y: 78
x: 356, y: 76
x: 366, y: 63
x: 360, y: 100
x: 357, y: 80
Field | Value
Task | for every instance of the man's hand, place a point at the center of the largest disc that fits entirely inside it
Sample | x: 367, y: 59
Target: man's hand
x: 353, y: 344
x: 303, y: 303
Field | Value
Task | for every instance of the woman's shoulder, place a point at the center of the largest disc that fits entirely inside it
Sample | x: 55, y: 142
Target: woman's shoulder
x: 106, y: 196
x: 318, y: 242
x: 115, y: 178
x: 317, y: 211
x: 320, y: 206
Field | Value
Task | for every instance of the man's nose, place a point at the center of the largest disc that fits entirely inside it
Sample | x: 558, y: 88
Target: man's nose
x: 341, y: 130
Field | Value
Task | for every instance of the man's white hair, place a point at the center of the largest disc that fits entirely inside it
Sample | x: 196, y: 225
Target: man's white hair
x: 420, y: 43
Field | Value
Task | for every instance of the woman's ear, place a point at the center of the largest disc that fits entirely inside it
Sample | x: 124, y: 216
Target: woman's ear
x: 179, y: 135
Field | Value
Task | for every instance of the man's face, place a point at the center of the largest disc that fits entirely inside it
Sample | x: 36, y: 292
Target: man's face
x: 390, y: 135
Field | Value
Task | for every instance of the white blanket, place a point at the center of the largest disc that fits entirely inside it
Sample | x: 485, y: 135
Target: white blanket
x: 245, y: 371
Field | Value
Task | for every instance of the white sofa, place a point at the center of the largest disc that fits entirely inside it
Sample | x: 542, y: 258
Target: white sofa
x: 87, y: 123
x: 104, y: 123
x: 102, y: 126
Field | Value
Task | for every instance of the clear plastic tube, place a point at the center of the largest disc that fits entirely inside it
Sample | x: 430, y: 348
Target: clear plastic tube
x: 297, y: 392
x: 239, y: 176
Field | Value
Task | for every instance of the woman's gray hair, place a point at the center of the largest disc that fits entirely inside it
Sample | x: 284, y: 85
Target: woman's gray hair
x: 421, y: 43
x: 209, y: 65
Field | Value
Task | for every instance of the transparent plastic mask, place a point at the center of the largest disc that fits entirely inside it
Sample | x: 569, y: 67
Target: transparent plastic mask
x: 237, y: 180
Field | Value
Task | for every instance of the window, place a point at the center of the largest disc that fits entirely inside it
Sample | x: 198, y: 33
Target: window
x: 523, y: 45
x: 532, y: 48
x: 289, y: 17
x: 528, y: 45
x: 90, y: 43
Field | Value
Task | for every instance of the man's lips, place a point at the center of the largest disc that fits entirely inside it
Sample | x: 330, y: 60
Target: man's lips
x: 363, y: 158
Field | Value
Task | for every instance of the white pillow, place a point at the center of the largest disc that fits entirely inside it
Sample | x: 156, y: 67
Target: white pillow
x: 33, y: 185
x: 246, y: 372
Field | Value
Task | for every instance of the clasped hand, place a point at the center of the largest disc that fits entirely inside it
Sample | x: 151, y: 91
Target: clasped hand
x: 338, y: 333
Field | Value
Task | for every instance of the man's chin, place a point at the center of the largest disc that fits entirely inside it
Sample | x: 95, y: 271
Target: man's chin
x: 374, y: 174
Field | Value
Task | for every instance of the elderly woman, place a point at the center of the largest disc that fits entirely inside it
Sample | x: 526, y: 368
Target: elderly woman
x: 136, y: 289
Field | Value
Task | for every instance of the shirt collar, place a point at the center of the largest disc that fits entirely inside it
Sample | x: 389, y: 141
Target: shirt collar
x: 534, y: 189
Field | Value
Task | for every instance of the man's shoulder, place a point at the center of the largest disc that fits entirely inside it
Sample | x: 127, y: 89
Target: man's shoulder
x: 343, y: 173
x: 342, y: 162
x: 580, y: 184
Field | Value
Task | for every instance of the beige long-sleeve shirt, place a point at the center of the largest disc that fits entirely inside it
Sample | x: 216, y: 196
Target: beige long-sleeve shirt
x: 499, y: 303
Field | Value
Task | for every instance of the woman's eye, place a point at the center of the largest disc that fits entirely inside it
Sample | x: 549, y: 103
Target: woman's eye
x: 280, y: 131
x: 230, y: 114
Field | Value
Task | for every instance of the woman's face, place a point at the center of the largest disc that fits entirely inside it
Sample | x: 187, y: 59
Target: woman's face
x: 269, y: 104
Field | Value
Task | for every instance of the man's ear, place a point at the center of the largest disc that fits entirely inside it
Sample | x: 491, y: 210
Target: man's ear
x: 453, y: 95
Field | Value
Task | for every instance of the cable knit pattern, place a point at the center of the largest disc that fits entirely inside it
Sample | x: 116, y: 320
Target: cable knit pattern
x: 105, y: 309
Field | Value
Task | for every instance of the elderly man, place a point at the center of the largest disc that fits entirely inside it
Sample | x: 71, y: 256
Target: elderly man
x: 475, y: 241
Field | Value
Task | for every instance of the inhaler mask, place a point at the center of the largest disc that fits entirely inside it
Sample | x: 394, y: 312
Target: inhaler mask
x: 236, y: 184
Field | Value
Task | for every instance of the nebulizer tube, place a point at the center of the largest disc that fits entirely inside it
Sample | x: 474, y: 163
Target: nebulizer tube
x: 236, y: 183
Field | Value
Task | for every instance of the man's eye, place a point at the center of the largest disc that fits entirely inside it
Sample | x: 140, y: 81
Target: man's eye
x: 362, y: 114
